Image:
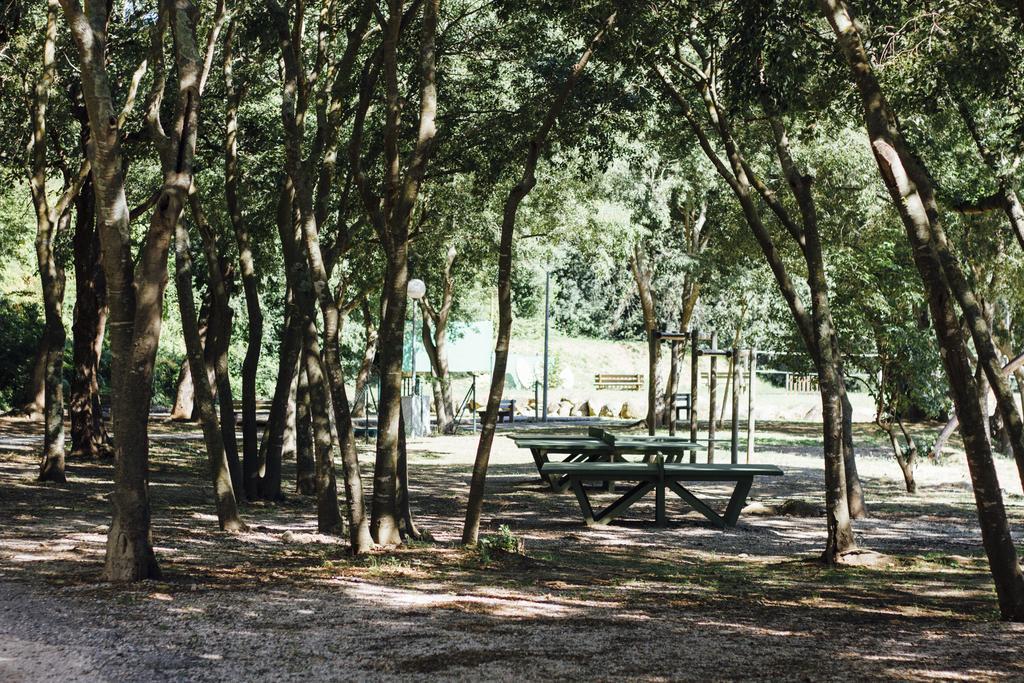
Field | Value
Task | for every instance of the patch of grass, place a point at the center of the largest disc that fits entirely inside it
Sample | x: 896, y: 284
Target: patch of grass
x: 504, y: 541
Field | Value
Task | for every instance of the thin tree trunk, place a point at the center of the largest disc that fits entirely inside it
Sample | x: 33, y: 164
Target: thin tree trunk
x: 223, y: 490
x: 250, y: 285
x: 407, y: 526
x: 311, y: 214
x: 642, y: 278
x: 815, y: 327
x: 517, y: 194
x: 289, y: 357
x: 912, y: 194
x: 360, y: 407
x: 51, y: 466
x: 384, y: 523
x: 219, y: 338
x: 51, y: 220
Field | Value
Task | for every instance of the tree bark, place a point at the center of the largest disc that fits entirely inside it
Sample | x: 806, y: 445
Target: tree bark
x: 360, y: 407
x: 328, y: 516
x: 311, y: 214
x: 642, y: 278
x: 219, y: 337
x: 250, y: 284
x: 474, y: 507
x: 220, y: 474
x: 435, y: 342
x: 390, y: 212
x: 52, y: 219
x: 816, y: 327
x: 305, y: 462
x: 88, y: 434
x: 913, y: 196
x: 268, y: 476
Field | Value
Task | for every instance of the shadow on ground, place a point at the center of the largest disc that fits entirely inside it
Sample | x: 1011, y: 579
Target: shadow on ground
x: 628, y: 600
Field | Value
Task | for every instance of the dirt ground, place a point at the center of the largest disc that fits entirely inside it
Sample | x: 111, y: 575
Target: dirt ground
x: 629, y: 600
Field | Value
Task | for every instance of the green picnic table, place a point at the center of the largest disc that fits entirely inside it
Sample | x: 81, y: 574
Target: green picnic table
x: 660, y: 476
x: 598, y: 445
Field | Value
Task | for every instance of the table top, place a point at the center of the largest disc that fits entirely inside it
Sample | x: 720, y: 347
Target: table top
x: 583, y: 444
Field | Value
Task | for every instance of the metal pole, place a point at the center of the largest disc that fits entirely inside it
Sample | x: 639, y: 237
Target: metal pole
x: 734, y: 450
x: 472, y: 408
x: 712, y: 396
x: 547, y: 325
x: 694, y: 378
x: 751, y: 384
x: 415, y: 386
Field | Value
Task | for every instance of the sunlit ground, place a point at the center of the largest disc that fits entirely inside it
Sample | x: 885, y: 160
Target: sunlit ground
x: 629, y: 600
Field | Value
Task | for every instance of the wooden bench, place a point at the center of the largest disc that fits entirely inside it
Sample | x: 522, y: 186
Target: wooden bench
x: 660, y: 477
x: 632, y: 382
x: 506, y: 408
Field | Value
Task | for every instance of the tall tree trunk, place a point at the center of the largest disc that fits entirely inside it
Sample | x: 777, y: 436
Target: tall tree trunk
x: 88, y: 433
x: 642, y: 278
x: 220, y: 474
x: 51, y: 466
x: 406, y: 525
x: 51, y: 220
x: 311, y: 214
x: 815, y: 327
x: 219, y: 337
x: 912, y: 194
x: 250, y: 285
x: 267, y: 480
x: 384, y: 521
x: 474, y: 507
x: 436, y: 345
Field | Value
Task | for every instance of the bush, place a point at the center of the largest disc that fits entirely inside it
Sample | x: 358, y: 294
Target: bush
x: 21, y: 326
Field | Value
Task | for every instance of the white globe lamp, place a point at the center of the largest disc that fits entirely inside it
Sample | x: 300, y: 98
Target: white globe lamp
x: 416, y: 288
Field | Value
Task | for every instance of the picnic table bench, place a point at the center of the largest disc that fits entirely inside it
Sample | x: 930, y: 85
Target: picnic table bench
x: 659, y: 476
x: 598, y: 445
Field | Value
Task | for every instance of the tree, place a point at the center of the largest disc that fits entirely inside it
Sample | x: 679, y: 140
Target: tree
x: 516, y: 195
x: 913, y: 196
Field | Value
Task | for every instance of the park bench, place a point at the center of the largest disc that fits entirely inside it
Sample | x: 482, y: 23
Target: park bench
x: 598, y: 445
x: 506, y: 408
x: 660, y: 477
x: 632, y: 382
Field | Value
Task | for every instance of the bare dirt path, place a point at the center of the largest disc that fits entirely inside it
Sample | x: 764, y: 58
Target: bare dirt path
x: 627, y: 601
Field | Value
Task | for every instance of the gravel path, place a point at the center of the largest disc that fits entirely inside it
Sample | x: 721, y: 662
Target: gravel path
x: 281, y: 603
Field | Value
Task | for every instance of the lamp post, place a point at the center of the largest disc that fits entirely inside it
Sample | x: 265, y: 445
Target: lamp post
x: 547, y: 319
x: 416, y: 290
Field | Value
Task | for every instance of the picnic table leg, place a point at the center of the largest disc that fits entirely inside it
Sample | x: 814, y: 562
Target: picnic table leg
x: 736, y: 502
x: 659, y: 504
x: 584, y: 500
x: 697, y: 504
x: 540, y: 457
x: 619, y: 506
